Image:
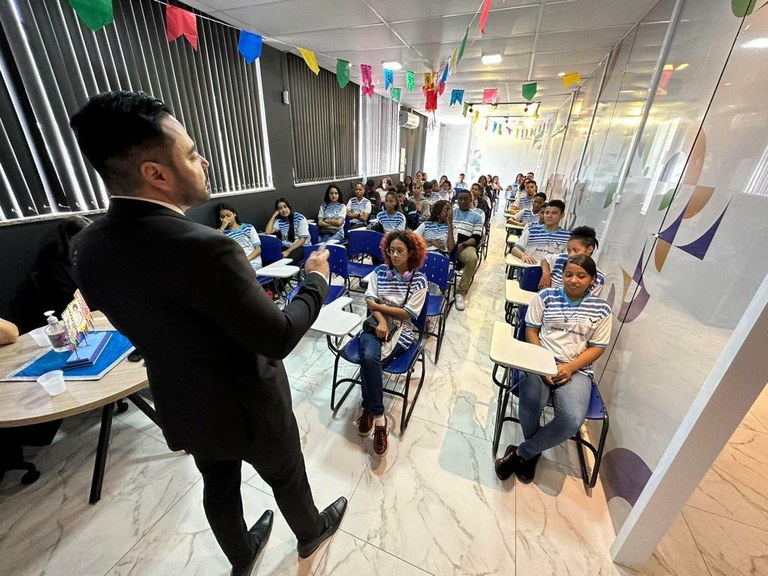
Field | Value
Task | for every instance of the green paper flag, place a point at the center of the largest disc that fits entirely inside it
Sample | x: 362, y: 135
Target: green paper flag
x: 395, y: 93
x: 742, y: 8
x: 410, y: 81
x: 463, y: 45
x: 94, y: 13
x: 342, y: 73
x: 464, y: 109
x: 529, y: 91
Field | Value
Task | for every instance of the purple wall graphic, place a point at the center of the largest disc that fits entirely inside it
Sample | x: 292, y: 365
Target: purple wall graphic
x: 699, y: 247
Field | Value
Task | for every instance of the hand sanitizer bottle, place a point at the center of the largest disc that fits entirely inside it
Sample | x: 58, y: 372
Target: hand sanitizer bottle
x: 57, y: 333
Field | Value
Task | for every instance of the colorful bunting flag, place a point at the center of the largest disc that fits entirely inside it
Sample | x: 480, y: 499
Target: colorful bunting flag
x: 572, y: 78
x: 464, y: 108
x: 429, y: 80
x: 410, y: 81
x: 476, y: 116
x: 494, y: 127
x: 94, y: 13
x: 499, y: 129
x: 490, y: 95
x: 457, y: 97
x: 310, y: 59
x: 529, y: 90
x: 365, y: 72
x: 395, y: 94
x: 509, y: 130
x: 249, y: 46
x: 342, y: 73
x: 487, y: 123
x: 484, y: 15
x: 180, y: 22
x: 389, y: 78
x: 431, y: 103
x: 444, y: 77
x: 453, y: 60
x: 463, y: 45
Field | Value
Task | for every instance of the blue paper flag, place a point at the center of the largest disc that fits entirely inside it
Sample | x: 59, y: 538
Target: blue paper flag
x: 457, y: 97
x: 249, y: 46
x: 389, y: 78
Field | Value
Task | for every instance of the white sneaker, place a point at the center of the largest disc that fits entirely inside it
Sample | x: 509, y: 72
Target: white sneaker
x: 459, y: 302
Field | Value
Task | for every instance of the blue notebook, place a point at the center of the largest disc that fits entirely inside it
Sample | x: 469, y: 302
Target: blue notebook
x: 116, y: 348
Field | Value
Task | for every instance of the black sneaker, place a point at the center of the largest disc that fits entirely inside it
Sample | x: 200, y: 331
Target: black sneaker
x: 507, y: 464
x: 526, y: 470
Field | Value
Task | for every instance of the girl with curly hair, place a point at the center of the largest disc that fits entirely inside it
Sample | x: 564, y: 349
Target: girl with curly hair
x: 396, y: 293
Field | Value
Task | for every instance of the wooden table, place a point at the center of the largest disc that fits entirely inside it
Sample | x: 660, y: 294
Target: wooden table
x: 24, y: 403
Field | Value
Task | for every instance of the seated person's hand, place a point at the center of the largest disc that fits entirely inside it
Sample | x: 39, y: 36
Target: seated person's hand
x: 286, y: 254
x: 382, y: 330
x: 545, y: 282
x: 318, y: 262
x: 564, y: 372
x: 528, y: 259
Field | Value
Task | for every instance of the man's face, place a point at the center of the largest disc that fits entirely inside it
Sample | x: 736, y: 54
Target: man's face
x: 530, y: 175
x: 188, y: 178
x: 461, y: 177
x: 552, y: 216
x: 530, y: 189
x: 401, y: 198
x: 538, y: 202
x: 476, y: 190
x: 464, y: 201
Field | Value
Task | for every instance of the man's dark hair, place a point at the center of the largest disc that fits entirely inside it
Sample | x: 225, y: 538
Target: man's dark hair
x: 540, y: 195
x: 427, y: 185
x: 557, y: 204
x: 113, y: 127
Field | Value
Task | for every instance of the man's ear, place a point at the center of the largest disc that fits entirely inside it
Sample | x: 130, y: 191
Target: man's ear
x: 155, y: 174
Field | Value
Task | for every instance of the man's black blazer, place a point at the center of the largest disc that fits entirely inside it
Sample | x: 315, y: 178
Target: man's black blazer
x: 187, y: 298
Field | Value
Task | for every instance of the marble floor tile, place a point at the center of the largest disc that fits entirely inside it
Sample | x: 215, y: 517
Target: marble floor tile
x: 350, y: 556
x: 676, y: 554
x: 50, y: 528
x: 729, y: 548
x: 560, y: 528
x: 736, y: 485
x: 435, y: 502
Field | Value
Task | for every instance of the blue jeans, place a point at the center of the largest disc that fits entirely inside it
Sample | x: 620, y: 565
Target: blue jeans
x: 570, y: 401
x: 370, y: 372
x: 339, y: 235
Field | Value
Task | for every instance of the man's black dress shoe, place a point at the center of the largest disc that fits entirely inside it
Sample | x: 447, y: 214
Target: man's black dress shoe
x: 331, y: 517
x: 507, y: 464
x: 259, y: 534
x: 526, y: 470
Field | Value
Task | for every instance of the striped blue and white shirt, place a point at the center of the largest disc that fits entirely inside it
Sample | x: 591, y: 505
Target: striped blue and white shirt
x: 332, y: 211
x: 538, y: 242
x: 389, y: 223
x: 300, y: 227
x: 568, y: 328
x: 524, y: 203
x: 359, y: 206
x: 558, y: 267
x: 430, y: 230
x: 466, y: 224
x: 526, y: 217
x: 248, y: 239
x: 386, y: 284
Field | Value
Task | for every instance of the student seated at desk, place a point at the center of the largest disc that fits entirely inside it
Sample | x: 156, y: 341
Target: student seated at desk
x: 576, y: 327
x: 391, y: 218
x: 330, y: 218
x: 291, y: 227
x: 468, y: 232
x: 438, y: 230
x: 530, y: 215
x: 480, y: 202
x: 395, y: 295
x: 525, y: 202
x: 423, y: 207
x: 8, y: 332
x: 228, y: 222
x: 583, y: 240
x: 540, y: 240
x: 358, y: 207
x: 408, y: 207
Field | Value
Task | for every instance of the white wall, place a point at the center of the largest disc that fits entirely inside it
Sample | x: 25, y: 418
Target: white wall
x: 499, y: 154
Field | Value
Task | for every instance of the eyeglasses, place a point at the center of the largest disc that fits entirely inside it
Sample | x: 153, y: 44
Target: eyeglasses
x: 396, y: 251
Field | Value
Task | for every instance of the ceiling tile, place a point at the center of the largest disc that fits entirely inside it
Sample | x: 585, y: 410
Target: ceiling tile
x: 369, y: 37
x: 290, y: 16
x: 219, y: 5
x: 398, y: 10
x: 581, y: 40
x: 569, y: 57
x: 583, y: 14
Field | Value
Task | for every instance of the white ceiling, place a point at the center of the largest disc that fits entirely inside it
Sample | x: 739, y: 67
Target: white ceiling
x: 537, y: 38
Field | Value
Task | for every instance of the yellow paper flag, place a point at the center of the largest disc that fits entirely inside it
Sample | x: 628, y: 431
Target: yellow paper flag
x: 475, y: 116
x: 572, y: 78
x: 310, y: 59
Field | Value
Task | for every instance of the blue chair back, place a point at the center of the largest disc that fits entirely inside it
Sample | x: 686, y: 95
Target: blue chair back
x: 271, y: 249
x: 437, y: 269
x: 337, y: 259
x: 314, y: 235
x: 530, y: 278
x: 364, y: 242
x: 421, y: 322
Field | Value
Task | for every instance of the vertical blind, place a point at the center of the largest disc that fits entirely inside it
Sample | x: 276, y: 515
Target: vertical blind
x: 381, y: 136
x: 50, y: 63
x: 324, y: 123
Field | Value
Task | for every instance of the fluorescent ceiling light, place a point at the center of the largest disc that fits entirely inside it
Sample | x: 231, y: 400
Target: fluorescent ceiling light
x: 561, y: 74
x: 757, y: 43
x: 392, y: 65
x: 491, y: 58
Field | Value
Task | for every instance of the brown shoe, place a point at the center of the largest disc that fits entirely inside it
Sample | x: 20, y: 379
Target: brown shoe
x: 364, y: 423
x: 380, y: 434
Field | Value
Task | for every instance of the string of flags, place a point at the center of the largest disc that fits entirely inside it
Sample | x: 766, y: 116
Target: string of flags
x: 96, y: 14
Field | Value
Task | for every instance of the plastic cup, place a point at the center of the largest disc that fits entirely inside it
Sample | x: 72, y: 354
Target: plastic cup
x: 53, y: 382
x: 40, y: 337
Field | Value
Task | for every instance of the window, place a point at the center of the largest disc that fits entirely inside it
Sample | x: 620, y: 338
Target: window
x: 380, y: 136
x: 50, y: 63
x: 323, y: 119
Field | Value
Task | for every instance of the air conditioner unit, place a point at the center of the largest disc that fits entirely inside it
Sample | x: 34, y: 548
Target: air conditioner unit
x: 408, y: 120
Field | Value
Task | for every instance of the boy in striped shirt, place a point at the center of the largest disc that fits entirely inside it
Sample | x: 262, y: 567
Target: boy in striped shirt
x: 540, y: 240
x: 468, y: 231
x: 530, y: 215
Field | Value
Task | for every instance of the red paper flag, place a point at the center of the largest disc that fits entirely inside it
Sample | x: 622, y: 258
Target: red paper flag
x: 431, y: 103
x: 484, y: 15
x: 490, y: 95
x: 180, y: 22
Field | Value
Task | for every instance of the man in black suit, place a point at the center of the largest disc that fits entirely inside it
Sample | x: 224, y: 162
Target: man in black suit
x: 187, y: 297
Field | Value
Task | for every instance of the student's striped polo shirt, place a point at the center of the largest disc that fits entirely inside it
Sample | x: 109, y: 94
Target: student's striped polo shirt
x: 389, y: 223
x: 558, y: 267
x: 300, y: 227
x: 537, y: 241
x: 430, y: 230
x: 386, y: 284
